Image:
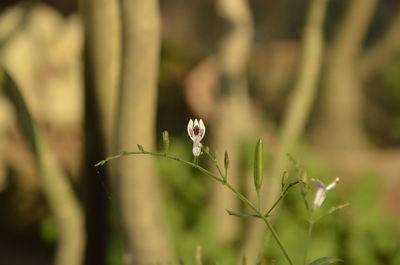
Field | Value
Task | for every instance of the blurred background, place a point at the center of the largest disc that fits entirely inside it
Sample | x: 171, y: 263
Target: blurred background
x: 83, y: 80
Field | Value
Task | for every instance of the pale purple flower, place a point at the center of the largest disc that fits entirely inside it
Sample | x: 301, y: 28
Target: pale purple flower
x: 196, y: 131
x: 321, y: 191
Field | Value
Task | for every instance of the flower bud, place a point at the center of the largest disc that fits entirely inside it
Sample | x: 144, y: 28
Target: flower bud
x: 165, y: 138
x: 258, y: 165
x: 226, y: 160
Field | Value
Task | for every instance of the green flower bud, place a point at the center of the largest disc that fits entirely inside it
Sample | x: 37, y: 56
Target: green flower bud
x: 165, y: 138
x: 258, y: 165
x: 226, y: 160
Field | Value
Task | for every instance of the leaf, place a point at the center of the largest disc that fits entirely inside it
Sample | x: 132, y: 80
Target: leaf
x: 140, y: 147
x: 325, y: 261
x: 245, y: 215
x: 242, y: 215
x: 101, y: 163
x: 334, y: 209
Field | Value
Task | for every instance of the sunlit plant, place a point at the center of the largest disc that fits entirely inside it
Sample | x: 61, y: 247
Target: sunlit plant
x: 196, y: 131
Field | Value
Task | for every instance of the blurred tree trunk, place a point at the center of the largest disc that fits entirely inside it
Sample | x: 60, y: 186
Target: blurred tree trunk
x: 101, y: 61
x: 298, y: 110
x: 381, y: 51
x: 64, y: 205
x: 56, y: 187
x: 232, y: 119
x: 341, y: 123
x: 138, y: 187
x: 102, y: 32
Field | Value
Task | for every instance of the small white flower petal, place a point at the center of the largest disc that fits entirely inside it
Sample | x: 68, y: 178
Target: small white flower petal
x: 202, y: 130
x: 321, y: 191
x: 202, y: 126
x: 333, y: 184
x: 319, y: 198
x: 190, y: 129
x: 319, y: 184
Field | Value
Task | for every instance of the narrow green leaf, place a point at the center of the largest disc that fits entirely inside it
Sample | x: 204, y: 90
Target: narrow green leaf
x: 334, y: 209
x: 258, y: 165
x: 325, y: 261
x: 242, y: 215
x: 102, y: 162
x: 140, y: 147
x: 245, y: 215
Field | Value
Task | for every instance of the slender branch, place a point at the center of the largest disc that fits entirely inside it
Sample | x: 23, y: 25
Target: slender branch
x: 283, y: 194
x: 124, y: 153
x: 214, y: 159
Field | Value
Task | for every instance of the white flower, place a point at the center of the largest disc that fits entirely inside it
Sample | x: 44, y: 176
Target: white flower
x: 321, y: 191
x: 196, y: 131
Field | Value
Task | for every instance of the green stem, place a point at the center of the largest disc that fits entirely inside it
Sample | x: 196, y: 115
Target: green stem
x: 259, y: 201
x: 223, y: 176
x: 283, y: 194
x: 275, y: 204
x: 267, y: 223
x: 195, y: 160
x: 310, y: 228
x: 222, y: 180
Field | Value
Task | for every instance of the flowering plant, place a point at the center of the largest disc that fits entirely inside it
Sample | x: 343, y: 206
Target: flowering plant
x: 196, y: 131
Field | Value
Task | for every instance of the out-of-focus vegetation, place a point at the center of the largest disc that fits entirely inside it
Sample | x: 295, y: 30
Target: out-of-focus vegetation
x: 237, y: 69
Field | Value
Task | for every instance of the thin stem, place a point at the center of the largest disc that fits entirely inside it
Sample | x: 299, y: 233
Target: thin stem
x: 275, y: 204
x: 223, y: 176
x: 222, y: 180
x: 283, y: 194
x: 310, y: 228
x: 124, y: 153
x: 268, y: 224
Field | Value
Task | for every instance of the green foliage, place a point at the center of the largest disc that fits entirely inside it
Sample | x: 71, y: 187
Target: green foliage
x: 361, y: 233
x: 325, y: 261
